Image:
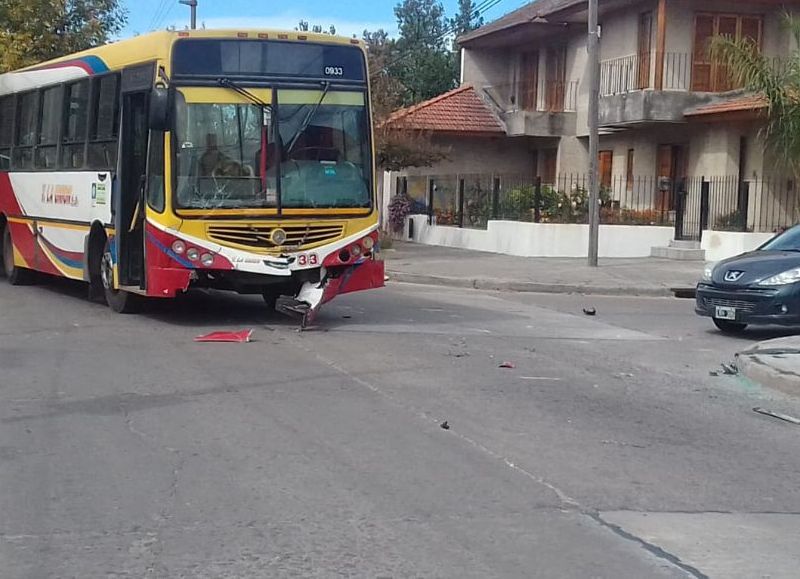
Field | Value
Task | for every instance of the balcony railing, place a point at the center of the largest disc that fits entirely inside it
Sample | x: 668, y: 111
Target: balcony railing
x: 680, y: 73
x: 544, y: 96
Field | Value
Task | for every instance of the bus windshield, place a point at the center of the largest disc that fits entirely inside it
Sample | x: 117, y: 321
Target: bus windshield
x: 227, y: 154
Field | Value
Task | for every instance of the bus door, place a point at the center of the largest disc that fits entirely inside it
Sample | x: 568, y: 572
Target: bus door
x: 129, y: 207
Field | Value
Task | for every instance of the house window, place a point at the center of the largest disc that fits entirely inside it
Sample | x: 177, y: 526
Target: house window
x: 605, y: 163
x: 709, y: 74
x: 629, y: 171
x: 645, y: 36
x: 556, y: 79
x: 529, y: 81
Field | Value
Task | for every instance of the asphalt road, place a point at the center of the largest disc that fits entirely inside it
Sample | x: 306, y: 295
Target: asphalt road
x: 128, y: 450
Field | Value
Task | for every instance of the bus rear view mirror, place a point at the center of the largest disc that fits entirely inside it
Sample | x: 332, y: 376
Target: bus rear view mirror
x: 160, y: 108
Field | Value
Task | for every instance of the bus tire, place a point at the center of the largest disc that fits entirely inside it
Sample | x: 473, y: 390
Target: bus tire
x: 16, y: 275
x: 119, y: 301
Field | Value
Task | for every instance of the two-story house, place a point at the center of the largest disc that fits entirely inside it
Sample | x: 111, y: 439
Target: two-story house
x: 667, y: 109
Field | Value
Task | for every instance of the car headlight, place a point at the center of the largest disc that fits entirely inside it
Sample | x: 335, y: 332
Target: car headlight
x: 707, y: 273
x: 784, y: 278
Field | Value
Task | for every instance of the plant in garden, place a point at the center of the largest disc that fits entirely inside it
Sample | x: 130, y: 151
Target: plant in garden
x: 399, y: 208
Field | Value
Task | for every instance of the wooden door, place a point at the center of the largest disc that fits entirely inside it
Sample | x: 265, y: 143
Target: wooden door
x: 529, y: 80
x: 701, y: 59
x: 549, y: 160
x: 645, y: 36
x: 604, y: 167
x: 556, y: 74
x: 727, y: 27
x: 670, y: 168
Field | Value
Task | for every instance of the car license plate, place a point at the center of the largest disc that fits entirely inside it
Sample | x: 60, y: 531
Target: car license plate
x: 723, y: 313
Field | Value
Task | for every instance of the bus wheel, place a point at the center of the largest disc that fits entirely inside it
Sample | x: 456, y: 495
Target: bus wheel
x: 16, y: 275
x: 119, y: 301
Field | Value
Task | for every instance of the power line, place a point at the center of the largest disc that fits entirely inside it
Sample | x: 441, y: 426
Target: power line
x: 156, y: 15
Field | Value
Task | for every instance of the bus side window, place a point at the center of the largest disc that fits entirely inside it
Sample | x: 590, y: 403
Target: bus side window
x: 76, y: 103
x: 6, y: 131
x: 26, y: 130
x: 49, y: 121
x: 104, y: 132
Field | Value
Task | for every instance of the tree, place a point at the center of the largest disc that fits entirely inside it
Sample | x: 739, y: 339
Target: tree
x: 32, y: 31
x: 779, y: 85
x: 424, y: 62
x: 396, y: 148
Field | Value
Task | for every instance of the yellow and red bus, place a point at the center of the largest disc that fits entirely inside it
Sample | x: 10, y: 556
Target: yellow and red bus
x: 238, y: 160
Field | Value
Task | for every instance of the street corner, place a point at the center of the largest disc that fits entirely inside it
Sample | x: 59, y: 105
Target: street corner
x: 773, y: 363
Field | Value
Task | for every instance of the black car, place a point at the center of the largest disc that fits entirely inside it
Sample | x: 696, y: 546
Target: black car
x: 759, y: 287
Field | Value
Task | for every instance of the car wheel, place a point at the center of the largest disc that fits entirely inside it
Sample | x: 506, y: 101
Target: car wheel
x: 729, y: 327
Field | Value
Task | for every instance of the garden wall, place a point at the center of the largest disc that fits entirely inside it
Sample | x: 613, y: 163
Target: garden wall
x: 721, y: 245
x: 542, y: 239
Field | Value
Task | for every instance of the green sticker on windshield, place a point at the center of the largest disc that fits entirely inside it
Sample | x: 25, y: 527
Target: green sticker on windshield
x: 330, y: 171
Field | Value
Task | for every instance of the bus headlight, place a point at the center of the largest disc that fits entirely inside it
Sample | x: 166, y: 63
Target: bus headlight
x: 207, y: 259
x: 193, y: 253
x: 368, y: 243
x: 355, y: 250
x: 178, y: 247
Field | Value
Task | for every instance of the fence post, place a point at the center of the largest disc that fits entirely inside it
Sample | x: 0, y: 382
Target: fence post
x: 495, y: 197
x: 431, y: 189
x: 461, y: 202
x: 744, y: 203
x: 537, y: 200
x: 680, y: 208
x: 405, y: 186
x: 705, y: 188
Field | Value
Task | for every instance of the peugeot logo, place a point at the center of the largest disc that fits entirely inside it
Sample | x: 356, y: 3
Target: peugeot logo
x: 733, y: 275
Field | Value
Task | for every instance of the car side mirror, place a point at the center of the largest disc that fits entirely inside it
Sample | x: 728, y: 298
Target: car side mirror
x: 161, y: 100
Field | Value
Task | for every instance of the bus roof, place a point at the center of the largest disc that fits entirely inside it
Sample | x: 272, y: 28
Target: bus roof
x: 138, y: 50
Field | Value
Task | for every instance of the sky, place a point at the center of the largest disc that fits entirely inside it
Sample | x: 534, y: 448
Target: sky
x: 348, y: 16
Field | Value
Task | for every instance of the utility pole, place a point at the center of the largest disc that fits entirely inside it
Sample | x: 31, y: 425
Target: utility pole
x: 594, y: 95
x: 192, y: 4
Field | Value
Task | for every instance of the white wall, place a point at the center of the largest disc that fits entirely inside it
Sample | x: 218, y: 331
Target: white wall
x: 544, y: 239
x: 721, y: 245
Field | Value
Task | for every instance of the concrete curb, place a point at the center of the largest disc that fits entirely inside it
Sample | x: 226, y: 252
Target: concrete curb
x: 526, y: 287
x: 755, y: 366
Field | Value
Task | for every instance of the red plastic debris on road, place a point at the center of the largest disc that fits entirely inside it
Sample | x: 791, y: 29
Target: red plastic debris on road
x: 508, y: 365
x: 239, y: 337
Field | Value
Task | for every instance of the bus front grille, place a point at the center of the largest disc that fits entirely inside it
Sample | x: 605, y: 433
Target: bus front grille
x: 260, y: 237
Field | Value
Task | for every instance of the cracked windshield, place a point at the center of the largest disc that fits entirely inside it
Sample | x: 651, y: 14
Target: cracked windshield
x: 233, y: 155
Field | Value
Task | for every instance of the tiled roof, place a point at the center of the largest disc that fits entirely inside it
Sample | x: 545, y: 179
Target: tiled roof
x: 459, y: 111
x: 538, y: 9
x: 747, y: 103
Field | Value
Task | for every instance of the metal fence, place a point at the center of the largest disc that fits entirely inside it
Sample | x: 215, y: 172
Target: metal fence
x: 689, y: 204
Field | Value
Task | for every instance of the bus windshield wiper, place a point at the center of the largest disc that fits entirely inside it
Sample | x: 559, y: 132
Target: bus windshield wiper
x: 306, y: 121
x: 228, y: 83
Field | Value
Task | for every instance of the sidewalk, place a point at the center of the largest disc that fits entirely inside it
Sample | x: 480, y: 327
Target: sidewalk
x: 428, y: 264
x: 774, y: 363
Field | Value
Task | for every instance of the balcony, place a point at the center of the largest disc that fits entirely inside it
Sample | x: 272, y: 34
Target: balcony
x: 655, y: 87
x: 536, y: 109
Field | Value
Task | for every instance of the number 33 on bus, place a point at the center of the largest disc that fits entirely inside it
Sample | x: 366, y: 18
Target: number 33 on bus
x: 238, y: 160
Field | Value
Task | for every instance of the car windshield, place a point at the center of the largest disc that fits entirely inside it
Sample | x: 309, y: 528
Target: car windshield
x: 789, y: 240
x: 324, y: 151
